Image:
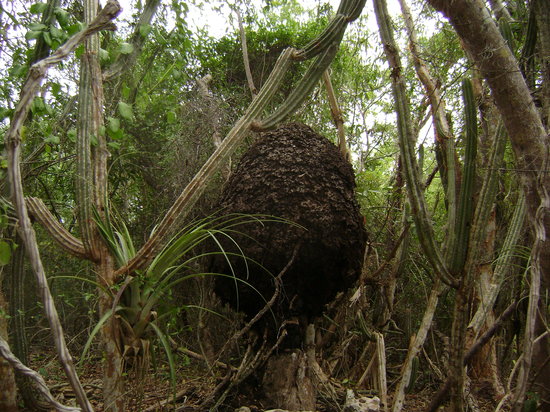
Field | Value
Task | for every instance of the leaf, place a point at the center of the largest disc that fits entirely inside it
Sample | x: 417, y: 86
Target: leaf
x: 71, y: 135
x: 57, y: 34
x: 38, y: 106
x: 113, y: 124
x: 125, y: 111
x: 19, y: 70
x: 47, y: 38
x: 113, y: 145
x: 54, y: 139
x: 56, y: 88
x: 75, y: 28
x: 5, y: 253
x: 30, y: 35
x: 126, y: 48
x: 145, y: 29
x: 36, y: 26
x: 171, y: 117
x: 125, y: 91
x: 3, y: 218
x: 4, y: 112
x: 38, y: 8
x: 103, y: 55
x: 119, y: 134
x: 62, y: 17
x: 79, y: 51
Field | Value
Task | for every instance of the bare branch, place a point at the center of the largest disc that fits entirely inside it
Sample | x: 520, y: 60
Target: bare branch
x: 336, y: 113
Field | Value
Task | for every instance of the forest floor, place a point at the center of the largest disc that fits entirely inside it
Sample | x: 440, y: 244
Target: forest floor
x: 152, y: 391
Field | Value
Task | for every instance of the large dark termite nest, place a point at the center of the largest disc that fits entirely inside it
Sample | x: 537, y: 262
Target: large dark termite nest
x: 296, y: 174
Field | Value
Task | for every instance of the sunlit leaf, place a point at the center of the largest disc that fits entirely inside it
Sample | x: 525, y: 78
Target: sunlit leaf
x: 31, y: 35
x: 62, y: 17
x: 113, y: 124
x: 71, y: 135
x: 54, y: 139
x: 36, y: 26
x: 125, y: 111
x: 5, y: 253
x: 103, y: 55
x: 144, y: 29
x: 126, y: 48
x: 171, y: 117
x: 38, y: 8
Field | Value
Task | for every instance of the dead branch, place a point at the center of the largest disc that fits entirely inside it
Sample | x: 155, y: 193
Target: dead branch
x: 336, y: 113
x: 268, y: 305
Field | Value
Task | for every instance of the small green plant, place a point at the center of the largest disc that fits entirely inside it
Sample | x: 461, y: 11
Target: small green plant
x: 136, y: 300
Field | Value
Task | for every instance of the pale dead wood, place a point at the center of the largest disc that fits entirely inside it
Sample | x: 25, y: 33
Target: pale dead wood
x: 443, y: 391
x: 203, y: 358
x: 336, y: 114
x: 381, y: 369
x: 417, y: 341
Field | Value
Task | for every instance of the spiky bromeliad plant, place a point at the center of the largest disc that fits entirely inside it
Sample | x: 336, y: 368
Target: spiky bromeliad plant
x: 137, y: 298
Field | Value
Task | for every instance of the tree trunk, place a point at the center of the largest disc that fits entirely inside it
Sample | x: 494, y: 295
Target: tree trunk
x: 287, y: 382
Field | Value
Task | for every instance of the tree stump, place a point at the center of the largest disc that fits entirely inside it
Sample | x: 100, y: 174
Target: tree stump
x: 287, y: 382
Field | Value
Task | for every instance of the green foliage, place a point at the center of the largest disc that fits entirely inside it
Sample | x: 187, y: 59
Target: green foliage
x: 5, y: 252
x: 136, y: 301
